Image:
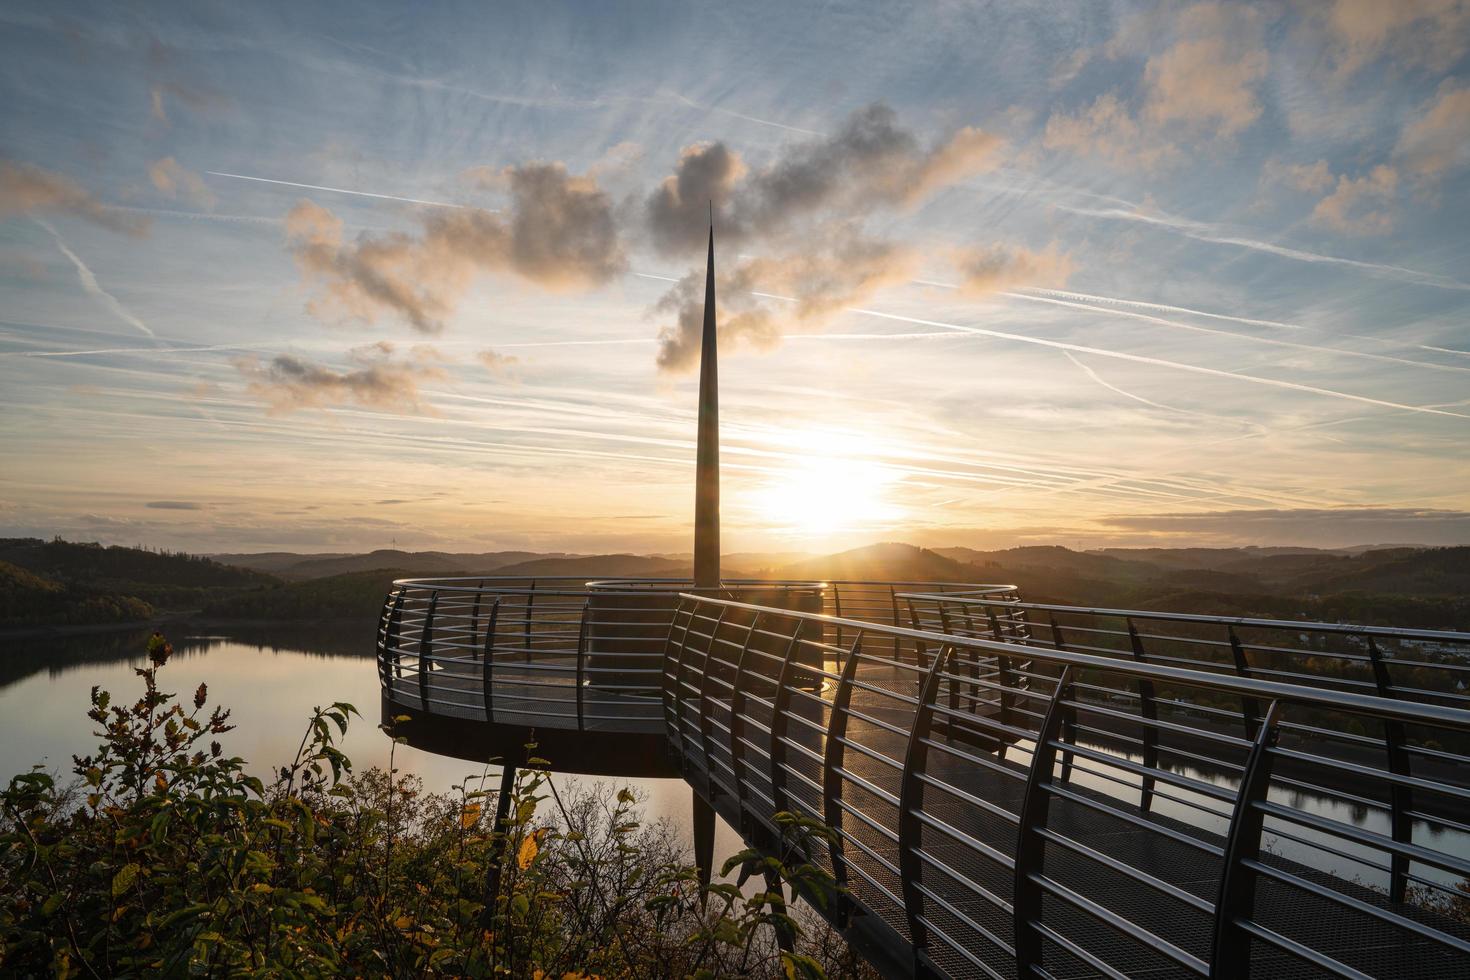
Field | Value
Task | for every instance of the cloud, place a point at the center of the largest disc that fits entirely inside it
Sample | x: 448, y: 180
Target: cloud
x: 174, y: 180
x: 1325, y: 527
x: 560, y: 234
x: 1207, y: 79
x: 1311, y: 177
x: 763, y: 296
x: 173, y: 505
x: 677, y: 212
x: 871, y: 162
x: 497, y: 363
x: 1108, y: 130
x: 1430, y: 34
x: 168, y: 82
x: 995, y: 268
x: 1439, y: 140
x: 377, y: 380
x: 1359, y: 205
x: 25, y: 189
x: 1200, y: 81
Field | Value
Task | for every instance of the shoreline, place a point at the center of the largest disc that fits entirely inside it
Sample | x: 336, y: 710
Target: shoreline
x: 188, y: 619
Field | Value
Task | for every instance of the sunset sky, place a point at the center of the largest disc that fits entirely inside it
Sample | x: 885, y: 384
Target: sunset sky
x: 339, y: 276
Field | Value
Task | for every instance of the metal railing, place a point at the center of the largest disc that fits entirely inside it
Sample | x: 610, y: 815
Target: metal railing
x: 569, y: 652
x: 1414, y: 664
x: 1066, y: 813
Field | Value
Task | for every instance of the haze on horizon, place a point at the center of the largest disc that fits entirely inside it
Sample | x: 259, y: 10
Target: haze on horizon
x: 335, y: 277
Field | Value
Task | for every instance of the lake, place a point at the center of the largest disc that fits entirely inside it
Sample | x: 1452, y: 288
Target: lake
x: 270, y: 678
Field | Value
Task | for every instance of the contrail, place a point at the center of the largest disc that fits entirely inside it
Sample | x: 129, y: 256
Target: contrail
x: 1202, y: 232
x: 740, y: 115
x: 1149, y: 318
x: 1120, y: 355
x: 90, y: 284
x: 1158, y: 362
x: 150, y: 351
x: 340, y: 190
x: 1086, y: 369
x: 1108, y: 305
x: 200, y: 215
x: 1249, y: 321
x: 1146, y: 305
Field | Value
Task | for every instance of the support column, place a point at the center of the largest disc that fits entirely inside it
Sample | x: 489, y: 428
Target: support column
x: 703, y: 818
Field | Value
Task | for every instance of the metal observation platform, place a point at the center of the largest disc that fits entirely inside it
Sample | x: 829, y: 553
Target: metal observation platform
x: 1014, y: 789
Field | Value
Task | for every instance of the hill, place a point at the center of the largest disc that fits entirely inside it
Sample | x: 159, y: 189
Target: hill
x: 892, y: 561
x: 353, y: 595
x: 292, y: 566
x: 27, y: 599
x: 593, y: 565
x: 169, y: 579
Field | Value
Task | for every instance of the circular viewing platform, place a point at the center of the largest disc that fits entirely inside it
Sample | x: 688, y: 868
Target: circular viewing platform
x: 483, y: 666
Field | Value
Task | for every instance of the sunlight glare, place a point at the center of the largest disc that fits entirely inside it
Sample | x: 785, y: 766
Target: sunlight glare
x: 825, y: 494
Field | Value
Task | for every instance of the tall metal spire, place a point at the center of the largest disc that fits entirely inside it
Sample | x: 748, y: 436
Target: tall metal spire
x: 707, y: 454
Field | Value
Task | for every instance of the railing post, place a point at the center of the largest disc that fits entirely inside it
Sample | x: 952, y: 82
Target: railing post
x: 1250, y: 709
x: 395, y: 635
x: 582, y: 665
x: 780, y: 705
x: 706, y: 725
x: 974, y: 660
x: 384, y: 618
x: 837, y: 608
x: 1030, y: 846
x: 1149, y: 710
x: 1230, y: 953
x: 1400, y: 797
x: 921, y: 653
x: 911, y: 801
x: 530, y: 606
x: 832, y: 779
x: 1069, y: 725
x: 673, y: 676
x: 475, y: 618
x: 893, y: 600
x: 1003, y: 670
x: 737, y: 717
x: 487, y: 666
x: 426, y: 649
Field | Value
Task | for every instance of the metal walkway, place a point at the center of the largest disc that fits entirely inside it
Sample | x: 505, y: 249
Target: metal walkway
x: 1012, y: 812
x: 1017, y: 789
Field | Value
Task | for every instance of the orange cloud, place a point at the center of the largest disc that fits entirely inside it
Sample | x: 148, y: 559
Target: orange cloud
x: 1359, y: 205
x: 25, y: 189
x: 996, y: 268
x: 171, y: 178
x: 1439, y: 140
x: 287, y: 383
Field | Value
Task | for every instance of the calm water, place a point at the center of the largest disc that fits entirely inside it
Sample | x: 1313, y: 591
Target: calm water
x: 270, y: 679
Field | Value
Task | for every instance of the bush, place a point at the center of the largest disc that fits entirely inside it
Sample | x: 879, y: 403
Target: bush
x: 169, y: 856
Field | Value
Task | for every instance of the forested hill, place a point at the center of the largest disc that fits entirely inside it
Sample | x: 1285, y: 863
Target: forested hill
x: 166, y: 580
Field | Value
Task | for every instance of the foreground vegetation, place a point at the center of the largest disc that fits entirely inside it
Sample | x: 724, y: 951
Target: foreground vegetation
x: 168, y: 856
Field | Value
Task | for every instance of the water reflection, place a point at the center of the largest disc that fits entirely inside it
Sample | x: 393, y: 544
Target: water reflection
x: 270, y: 677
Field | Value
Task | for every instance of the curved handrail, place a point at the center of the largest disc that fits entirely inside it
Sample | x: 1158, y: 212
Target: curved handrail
x: 1346, y: 629
x: 570, y: 651
x: 938, y: 798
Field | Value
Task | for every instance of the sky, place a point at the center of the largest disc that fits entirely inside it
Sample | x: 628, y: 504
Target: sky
x: 343, y: 276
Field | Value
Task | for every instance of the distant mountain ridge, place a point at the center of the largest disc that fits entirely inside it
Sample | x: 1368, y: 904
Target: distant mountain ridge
x: 1410, y: 586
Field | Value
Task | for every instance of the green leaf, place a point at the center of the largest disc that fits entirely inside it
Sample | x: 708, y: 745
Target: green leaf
x: 124, y: 879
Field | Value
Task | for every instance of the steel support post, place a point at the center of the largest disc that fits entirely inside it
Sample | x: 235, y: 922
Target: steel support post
x: 1230, y: 952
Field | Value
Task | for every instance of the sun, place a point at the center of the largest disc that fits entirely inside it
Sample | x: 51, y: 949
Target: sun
x: 820, y: 495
